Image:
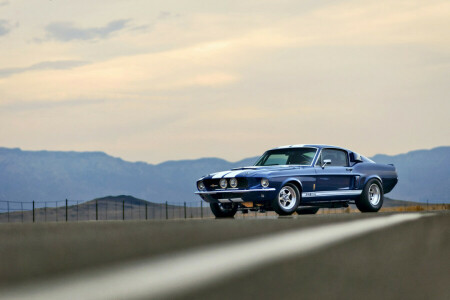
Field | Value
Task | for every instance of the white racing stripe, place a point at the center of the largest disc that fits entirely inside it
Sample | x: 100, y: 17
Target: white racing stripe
x: 166, y: 276
x: 332, y: 193
x: 234, y: 173
x: 220, y: 174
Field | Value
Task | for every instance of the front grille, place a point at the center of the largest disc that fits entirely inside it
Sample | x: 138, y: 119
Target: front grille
x: 213, y: 184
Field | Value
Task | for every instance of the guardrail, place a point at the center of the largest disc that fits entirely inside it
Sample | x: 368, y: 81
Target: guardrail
x: 99, y: 210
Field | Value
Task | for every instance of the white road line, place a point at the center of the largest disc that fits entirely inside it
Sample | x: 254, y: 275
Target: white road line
x: 166, y: 276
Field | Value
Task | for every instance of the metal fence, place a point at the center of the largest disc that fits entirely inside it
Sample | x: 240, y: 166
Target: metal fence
x: 96, y: 210
x: 134, y: 209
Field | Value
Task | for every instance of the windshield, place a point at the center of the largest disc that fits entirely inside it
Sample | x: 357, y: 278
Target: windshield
x: 289, y: 156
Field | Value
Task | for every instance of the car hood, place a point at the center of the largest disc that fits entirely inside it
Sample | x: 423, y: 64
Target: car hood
x: 255, y: 171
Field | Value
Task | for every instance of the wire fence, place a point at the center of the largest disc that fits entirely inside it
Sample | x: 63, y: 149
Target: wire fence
x: 96, y: 210
x: 135, y: 209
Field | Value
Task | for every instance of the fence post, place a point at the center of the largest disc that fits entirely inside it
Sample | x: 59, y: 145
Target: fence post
x: 77, y: 209
x: 56, y: 210
x: 123, y: 210
x: 67, y: 215
x: 167, y: 212
x: 146, y: 210
x: 33, y: 211
x: 7, y: 203
x: 45, y: 212
x: 21, y: 207
x: 96, y: 210
x: 185, y: 209
x: 201, y: 209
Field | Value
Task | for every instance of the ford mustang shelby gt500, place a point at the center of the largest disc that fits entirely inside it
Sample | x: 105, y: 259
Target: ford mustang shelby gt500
x: 299, y: 178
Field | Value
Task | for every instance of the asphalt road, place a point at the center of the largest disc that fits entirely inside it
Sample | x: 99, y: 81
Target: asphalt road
x: 407, y: 260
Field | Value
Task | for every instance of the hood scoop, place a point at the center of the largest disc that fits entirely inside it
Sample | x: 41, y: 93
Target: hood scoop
x: 274, y: 167
x: 246, y: 168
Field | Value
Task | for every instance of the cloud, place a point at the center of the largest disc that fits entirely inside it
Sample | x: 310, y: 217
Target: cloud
x: 45, y: 105
x: 4, y: 27
x: 45, y: 65
x: 166, y: 15
x: 4, y: 3
x: 65, y: 31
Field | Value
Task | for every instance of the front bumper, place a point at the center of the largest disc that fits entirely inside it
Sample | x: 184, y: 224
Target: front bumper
x: 234, y: 191
x: 238, y: 195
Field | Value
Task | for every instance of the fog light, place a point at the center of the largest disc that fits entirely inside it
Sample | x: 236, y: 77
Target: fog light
x: 233, y: 182
x: 265, y: 182
x: 223, y: 183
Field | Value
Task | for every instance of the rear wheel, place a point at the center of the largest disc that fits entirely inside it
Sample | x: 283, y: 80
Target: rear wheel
x: 224, y: 210
x: 307, y: 210
x: 287, y: 200
x: 371, y: 198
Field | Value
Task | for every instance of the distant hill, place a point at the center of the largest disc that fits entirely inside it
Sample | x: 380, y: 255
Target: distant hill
x: 423, y: 175
x: 54, y: 176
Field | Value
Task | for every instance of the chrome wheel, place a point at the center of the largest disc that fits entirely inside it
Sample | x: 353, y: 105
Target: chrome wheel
x: 374, y: 194
x: 287, y: 197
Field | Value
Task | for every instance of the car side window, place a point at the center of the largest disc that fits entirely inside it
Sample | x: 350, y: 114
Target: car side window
x: 339, y: 158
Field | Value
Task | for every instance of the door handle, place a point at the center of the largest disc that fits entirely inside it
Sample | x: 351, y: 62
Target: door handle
x: 349, y: 169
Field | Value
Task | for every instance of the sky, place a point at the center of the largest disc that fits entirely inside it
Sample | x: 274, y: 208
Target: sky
x: 167, y: 80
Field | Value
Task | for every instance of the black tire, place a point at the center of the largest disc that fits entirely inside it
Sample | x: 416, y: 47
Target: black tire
x: 307, y: 210
x: 287, y: 209
x: 366, y: 202
x: 224, y: 210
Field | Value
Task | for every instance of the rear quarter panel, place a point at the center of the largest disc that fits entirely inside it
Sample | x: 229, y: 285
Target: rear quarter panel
x: 384, y: 173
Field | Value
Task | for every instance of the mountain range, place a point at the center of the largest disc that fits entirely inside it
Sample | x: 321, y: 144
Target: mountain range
x: 55, y: 176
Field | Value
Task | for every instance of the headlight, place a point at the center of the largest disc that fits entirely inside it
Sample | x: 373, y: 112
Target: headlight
x: 265, y: 182
x: 233, y: 182
x: 223, y: 183
x: 200, y: 185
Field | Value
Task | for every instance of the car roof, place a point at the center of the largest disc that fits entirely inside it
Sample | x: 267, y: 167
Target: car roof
x: 319, y: 146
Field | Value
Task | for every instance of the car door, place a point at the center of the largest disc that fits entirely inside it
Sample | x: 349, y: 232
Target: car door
x: 334, y: 179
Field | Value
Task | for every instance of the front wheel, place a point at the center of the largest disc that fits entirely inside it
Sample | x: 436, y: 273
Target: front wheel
x: 371, y: 198
x: 287, y: 200
x: 223, y: 210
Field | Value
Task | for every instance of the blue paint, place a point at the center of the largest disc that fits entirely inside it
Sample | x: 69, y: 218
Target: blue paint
x: 316, y: 183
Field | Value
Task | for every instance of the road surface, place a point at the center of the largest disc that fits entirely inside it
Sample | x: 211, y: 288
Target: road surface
x: 348, y: 256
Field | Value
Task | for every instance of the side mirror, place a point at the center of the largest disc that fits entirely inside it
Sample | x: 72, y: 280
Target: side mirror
x: 326, y: 162
x: 355, y: 157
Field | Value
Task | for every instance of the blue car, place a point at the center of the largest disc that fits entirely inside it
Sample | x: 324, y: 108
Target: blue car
x: 299, y: 178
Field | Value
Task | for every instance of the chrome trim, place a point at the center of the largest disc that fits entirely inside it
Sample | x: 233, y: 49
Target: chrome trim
x: 236, y: 191
x: 231, y: 200
x: 332, y: 193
